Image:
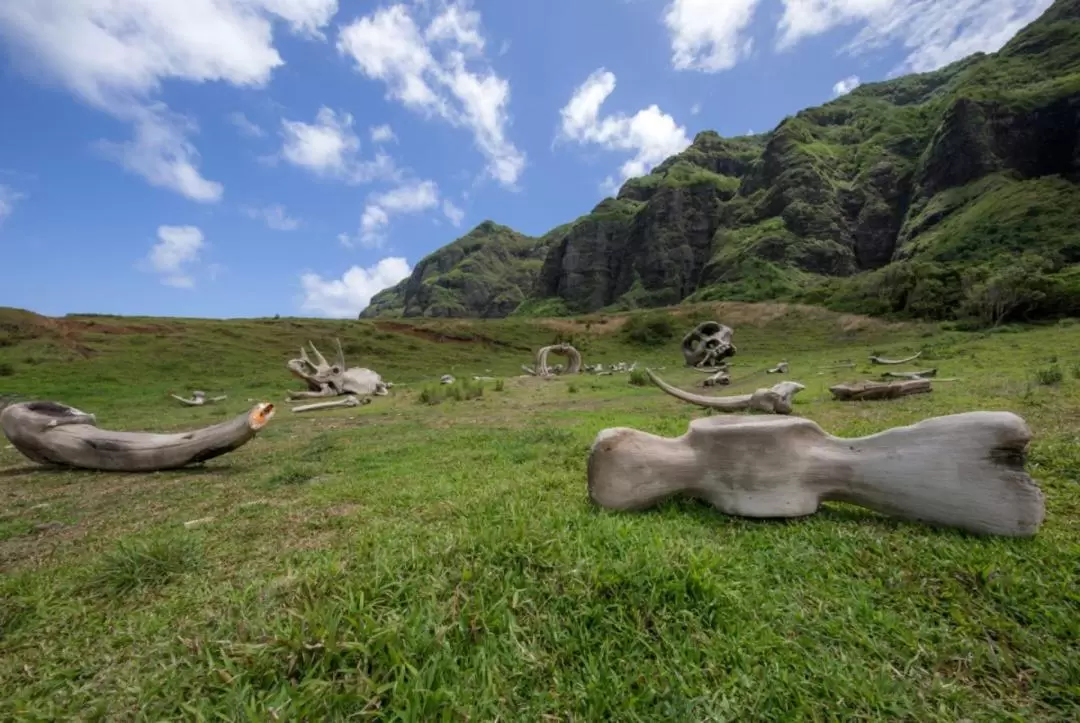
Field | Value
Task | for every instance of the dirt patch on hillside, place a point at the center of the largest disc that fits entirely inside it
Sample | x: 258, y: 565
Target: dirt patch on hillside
x: 440, y: 336
x: 590, y: 324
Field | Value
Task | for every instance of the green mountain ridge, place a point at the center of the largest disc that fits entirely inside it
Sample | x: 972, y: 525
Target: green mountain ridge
x: 948, y: 194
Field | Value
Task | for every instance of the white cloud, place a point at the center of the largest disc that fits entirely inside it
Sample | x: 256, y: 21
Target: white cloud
x: 650, y: 134
x: 452, y: 212
x: 845, y: 85
x: 695, y: 109
x: 933, y: 33
x: 348, y: 296
x: 177, y: 249
x: 707, y: 35
x: 8, y: 198
x: 411, y: 197
x: 246, y: 127
x: 329, y: 148
x: 116, y: 55
x: 382, y: 134
x: 274, y: 217
x: 429, y: 72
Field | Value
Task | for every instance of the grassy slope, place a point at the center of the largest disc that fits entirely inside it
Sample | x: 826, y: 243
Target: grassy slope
x: 406, y: 561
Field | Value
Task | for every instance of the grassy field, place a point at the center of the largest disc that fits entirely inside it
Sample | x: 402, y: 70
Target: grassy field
x: 422, y: 562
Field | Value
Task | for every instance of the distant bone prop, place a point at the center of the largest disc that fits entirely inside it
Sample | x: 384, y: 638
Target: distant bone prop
x: 707, y: 345
x: 54, y: 433
x: 332, y: 380
x: 963, y: 471
x: 875, y: 359
x: 348, y: 400
x: 541, y: 369
x: 775, y: 400
x: 198, y: 399
x: 868, y: 390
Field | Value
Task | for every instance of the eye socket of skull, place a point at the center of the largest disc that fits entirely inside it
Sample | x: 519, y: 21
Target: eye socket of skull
x: 335, y: 369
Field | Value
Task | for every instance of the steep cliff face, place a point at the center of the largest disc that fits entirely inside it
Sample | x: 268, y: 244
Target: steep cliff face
x: 903, y: 195
x: 486, y: 273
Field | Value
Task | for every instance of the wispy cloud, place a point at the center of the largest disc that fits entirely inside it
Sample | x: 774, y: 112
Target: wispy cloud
x: 274, y: 216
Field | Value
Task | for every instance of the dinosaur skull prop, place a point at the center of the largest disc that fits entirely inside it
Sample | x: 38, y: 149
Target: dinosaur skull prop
x: 330, y: 380
x: 707, y: 345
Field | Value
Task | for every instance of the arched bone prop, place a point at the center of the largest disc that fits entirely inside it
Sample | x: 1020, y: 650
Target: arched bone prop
x: 879, y: 390
x: 964, y: 470
x: 331, y: 380
x: 707, y: 344
x: 881, y: 360
x: 347, y: 401
x: 53, y: 433
x: 776, y: 400
x: 198, y: 399
x: 573, y: 357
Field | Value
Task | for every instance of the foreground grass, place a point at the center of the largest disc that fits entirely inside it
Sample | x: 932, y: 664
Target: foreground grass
x: 417, y: 561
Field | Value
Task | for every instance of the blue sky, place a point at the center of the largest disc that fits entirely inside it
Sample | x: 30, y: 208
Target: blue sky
x: 224, y: 158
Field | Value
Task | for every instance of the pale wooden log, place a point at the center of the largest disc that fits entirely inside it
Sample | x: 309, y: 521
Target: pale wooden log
x: 53, y: 433
x: 964, y: 471
x: 868, y: 390
x: 776, y: 400
x: 882, y: 360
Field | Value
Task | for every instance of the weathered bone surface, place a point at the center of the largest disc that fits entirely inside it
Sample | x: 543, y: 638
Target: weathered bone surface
x: 881, y: 360
x: 347, y: 401
x: 964, y: 470
x: 707, y: 344
x: 199, y: 398
x: 869, y: 390
x: 776, y: 400
x: 720, y: 378
x: 541, y: 369
x: 332, y: 380
x: 446, y: 379
x: 922, y: 374
x: 780, y: 368
x: 53, y: 433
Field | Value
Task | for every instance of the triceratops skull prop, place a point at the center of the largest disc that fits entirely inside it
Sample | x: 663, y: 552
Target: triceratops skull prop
x: 330, y: 380
x: 707, y: 345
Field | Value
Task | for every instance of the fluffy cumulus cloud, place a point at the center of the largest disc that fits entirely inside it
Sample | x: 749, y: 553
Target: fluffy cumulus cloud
x: 274, y: 216
x: 8, y: 198
x: 116, y: 55
x: 845, y: 85
x: 175, y: 253
x: 409, y: 197
x: 330, y: 148
x: 439, y: 70
x: 348, y: 296
x: 650, y: 134
x: 708, y: 35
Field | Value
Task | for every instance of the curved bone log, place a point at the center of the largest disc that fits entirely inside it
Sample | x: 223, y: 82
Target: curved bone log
x: 776, y: 400
x: 780, y: 368
x: 923, y: 374
x: 879, y: 390
x: 53, y: 433
x: 707, y: 344
x: 881, y: 360
x: 198, y: 399
x: 572, y: 354
x: 347, y: 401
x: 962, y: 470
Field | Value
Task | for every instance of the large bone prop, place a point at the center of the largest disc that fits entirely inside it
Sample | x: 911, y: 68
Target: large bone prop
x: 573, y: 356
x: 329, y: 380
x: 879, y: 390
x: 347, y: 401
x: 707, y: 344
x: 53, y: 433
x: 963, y: 470
x: 874, y: 359
x: 775, y: 400
x: 198, y: 399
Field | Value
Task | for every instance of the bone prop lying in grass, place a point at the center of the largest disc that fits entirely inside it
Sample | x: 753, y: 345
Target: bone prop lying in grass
x: 964, y: 470
x: 330, y: 380
x: 541, y: 368
x: 349, y: 401
x: 53, y: 433
x: 198, y: 399
x: 881, y: 360
x: 776, y: 400
x: 868, y: 390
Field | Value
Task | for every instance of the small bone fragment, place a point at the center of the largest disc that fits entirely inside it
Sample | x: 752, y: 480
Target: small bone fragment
x: 446, y: 379
x: 881, y: 360
x: 721, y: 378
x: 923, y: 374
x: 346, y: 401
x: 199, y: 398
x: 963, y: 470
x: 780, y: 368
x: 868, y: 390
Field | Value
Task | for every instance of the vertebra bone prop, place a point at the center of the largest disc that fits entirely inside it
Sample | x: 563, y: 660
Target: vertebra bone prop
x: 331, y: 380
x: 874, y: 359
x: 879, y: 390
x: 573, y: 357
x: 53, y: 433
x: 962, y: 470
x: 707, y: 344
x: 776, y: 400
x: 198, y: 399
x: 346, y: 401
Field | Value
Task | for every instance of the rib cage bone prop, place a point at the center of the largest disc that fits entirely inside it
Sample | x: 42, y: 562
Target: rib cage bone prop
x: 707, y: 345
x: 331, y: 380
x: 54, y: 433
x: 964, y: 470
x: 775, y: 400
x: 541, y: 368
